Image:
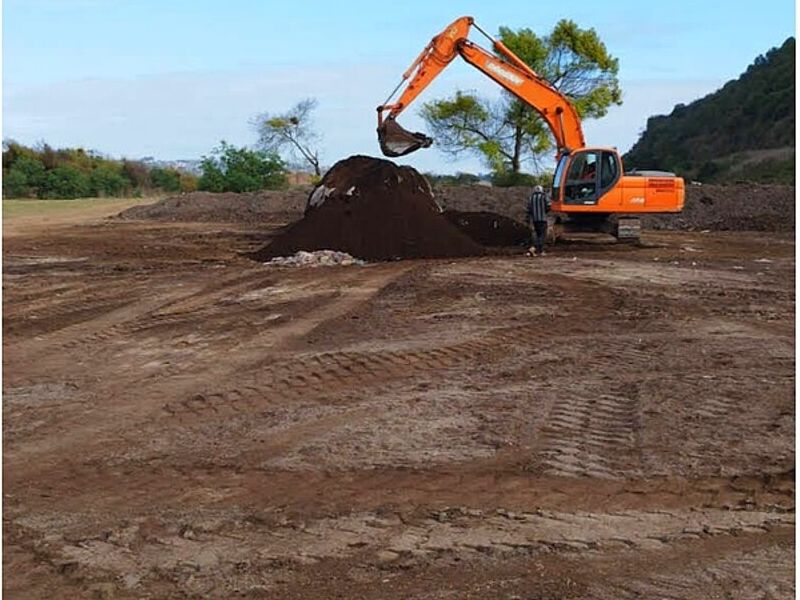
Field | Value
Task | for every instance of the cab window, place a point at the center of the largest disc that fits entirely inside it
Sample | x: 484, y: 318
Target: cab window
x: 609, y: 170
x: 558, y: 177
x: 582, y: 179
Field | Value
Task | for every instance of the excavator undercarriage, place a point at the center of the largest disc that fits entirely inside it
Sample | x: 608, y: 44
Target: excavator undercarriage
x: 625, y: 228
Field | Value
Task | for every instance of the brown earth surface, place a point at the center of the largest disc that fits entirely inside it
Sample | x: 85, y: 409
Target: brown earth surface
x: 205, y: 207
x: 741, y: 207
x: 605, y: 422
x: 489, y: 228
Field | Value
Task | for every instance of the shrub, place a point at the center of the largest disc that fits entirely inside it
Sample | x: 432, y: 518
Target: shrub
x: 65, y: 182
x: 168, y: 180
x: 510, y: 179
x: 15, y: 184
x: 212, y: 179
x: 33, y: 169
x: 106, y: 181
x: 459, y: 178
x: 231, y: 169
x: 46, y: 172
x: 188, y: 182
x: 12, y: 151
x: 137, y: 173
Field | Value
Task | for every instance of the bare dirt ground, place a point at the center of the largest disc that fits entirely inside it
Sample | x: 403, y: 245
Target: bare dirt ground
x: 605, y: 422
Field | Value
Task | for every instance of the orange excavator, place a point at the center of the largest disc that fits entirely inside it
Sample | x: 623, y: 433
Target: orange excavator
x: 590, y: 190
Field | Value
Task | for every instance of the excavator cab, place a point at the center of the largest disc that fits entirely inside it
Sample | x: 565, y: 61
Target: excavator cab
x: 584, y: 176
x: 592, y: 180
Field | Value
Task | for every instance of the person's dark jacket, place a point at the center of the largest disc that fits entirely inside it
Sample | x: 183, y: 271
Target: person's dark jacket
x: 537, y: 207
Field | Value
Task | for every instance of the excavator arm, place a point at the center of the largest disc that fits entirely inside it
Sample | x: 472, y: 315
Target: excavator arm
x: 509, y: 71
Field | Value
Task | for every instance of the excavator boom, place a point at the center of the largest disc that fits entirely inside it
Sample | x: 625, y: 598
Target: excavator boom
x: 509, y: 71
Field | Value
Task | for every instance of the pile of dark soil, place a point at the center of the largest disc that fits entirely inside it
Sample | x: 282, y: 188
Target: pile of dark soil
x: 205, y: 207
x: 489, y: 228
x: 375, y: 210
x: 508, y: 202
x: 741, y: 207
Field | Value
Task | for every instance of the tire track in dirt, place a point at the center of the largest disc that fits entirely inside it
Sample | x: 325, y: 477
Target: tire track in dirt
x: 308, y: 375
x: 45, y: 323
x: 123, y: 313
x: 356, y: 286
x: 112, y: 322
x: 589, y: 436
x: 172, y: 308
x: 409, y: 540
x: 763, y: 573
x: 324, y: 373
x: 331, y: 372
x: 681, y: 351
x: 160, y: 483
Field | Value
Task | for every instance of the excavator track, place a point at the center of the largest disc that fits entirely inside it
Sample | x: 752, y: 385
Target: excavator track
x: 624, y: 228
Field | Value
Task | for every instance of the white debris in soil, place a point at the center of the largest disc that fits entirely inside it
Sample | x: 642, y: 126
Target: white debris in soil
x: 318, y: 258
x: 320, y: 194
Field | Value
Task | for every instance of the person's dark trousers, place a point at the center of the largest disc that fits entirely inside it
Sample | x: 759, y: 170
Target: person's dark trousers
x: 539, y: 234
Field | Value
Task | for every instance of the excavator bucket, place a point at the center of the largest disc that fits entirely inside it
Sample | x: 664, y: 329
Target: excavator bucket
x: 396, y: 141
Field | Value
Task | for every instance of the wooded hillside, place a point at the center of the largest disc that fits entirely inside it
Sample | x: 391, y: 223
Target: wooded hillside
x: 742, y: 132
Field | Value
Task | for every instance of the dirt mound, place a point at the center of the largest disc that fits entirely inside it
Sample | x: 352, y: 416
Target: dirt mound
x: 741, y: 207
x: 489, y: 228
x: 508, y: 202
x: 376, y: 210
x: 206, y: 207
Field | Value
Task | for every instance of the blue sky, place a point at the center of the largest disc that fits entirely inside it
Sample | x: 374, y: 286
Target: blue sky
x: 171, y: 78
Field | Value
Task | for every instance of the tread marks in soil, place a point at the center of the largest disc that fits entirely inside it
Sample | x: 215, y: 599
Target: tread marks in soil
x: 745, y: 572
x: 336, y: 371
x: 587, y: 435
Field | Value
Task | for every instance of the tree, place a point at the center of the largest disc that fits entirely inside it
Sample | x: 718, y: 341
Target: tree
x: 137, y: 173
x: 12, y: 151
x: 168, y: 180
x: 292, y: 131
x: 508, y: 133
x: 15, y: 184
x: 65, y: 181
x: 213, y: 178
x: 46, y: 172
x: 32, y: 168
x: 231, y: 169
x: 188, y: 182
x: 107, y: 181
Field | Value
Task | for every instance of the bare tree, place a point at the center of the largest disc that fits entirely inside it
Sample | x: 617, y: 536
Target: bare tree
x: 292, y: 131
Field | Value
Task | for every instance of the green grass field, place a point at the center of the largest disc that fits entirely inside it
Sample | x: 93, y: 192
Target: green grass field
x: 13, y: 209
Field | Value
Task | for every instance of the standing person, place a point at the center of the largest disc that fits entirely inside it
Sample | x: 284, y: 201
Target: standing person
x: 536, y: 210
